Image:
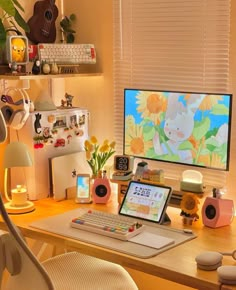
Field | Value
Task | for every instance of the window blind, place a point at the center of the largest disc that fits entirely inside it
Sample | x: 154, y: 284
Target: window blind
x: 178, y: 45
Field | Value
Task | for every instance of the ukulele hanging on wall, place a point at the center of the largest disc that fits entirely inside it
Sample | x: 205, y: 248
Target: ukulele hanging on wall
x: 42, y: 23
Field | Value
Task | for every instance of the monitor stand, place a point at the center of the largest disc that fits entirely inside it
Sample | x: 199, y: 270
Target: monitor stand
x: 166, y: 220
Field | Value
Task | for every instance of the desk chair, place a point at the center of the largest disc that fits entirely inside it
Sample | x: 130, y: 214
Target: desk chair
x: 69, y: 271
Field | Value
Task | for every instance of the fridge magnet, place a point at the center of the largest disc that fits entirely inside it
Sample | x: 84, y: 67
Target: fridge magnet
x: 38, y: 142
x: 73, y: 121
x: 79, y: 132
x: 69, y: 137
x: 60, y: 142
x: 51, y: 118
x: 81, y: 120
x: 60, y: 122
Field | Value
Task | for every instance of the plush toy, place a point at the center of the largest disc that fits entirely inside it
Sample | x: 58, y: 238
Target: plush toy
x: 18, y: 49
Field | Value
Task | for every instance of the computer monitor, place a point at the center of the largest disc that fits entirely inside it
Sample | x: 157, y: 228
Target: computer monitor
x: 178, y: 127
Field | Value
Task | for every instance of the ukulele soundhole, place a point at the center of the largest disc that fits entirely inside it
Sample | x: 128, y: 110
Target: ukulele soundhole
x: 48, y: 15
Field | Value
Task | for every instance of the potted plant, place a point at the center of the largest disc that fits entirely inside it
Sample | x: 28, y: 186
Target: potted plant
x: 97, y: 155
x: 66, y: 28
x: 11, y: 19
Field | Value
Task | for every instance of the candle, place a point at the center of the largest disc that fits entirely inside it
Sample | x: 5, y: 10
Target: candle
x: 18, y: 196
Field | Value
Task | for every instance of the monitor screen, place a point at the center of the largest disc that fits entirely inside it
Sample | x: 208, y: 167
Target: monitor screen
x: 179, y: 127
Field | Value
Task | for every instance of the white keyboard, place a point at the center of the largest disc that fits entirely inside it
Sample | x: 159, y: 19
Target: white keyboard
x: 67, y: 54
x: 107, y: 224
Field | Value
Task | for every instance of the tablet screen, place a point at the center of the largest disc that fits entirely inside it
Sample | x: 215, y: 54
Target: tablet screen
x: 146, y: 201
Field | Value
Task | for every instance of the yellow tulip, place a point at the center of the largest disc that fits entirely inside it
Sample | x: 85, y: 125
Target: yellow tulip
x: 88, y: 155
x: 93, y: 140
x: 113, y: 144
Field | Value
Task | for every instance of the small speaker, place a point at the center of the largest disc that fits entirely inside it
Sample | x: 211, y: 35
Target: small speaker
x: 217, y: 212
x: 101, y: 190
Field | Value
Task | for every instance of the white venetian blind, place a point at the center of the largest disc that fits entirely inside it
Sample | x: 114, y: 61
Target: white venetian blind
x: 178, y: 45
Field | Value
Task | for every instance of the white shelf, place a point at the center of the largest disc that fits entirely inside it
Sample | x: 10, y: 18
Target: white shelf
x: 49, y: 76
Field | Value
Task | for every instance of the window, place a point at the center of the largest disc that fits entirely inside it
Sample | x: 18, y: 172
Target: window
x: 170, y: 45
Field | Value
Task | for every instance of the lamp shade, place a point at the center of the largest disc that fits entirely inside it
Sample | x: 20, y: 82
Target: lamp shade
x: 17, y: 155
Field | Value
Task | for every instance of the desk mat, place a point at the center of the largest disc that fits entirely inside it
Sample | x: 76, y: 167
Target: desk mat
x: 60, y: 224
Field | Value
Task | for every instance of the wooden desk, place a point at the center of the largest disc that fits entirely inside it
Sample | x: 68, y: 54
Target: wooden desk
x: 177, y: 264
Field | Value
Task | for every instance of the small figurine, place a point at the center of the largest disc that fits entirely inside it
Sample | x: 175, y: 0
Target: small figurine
x: 216, y: 193
x: 54, y: 68
x: 46, y: 68
x: 13, y: 66
x: 69, y: 99
x: 36, y: 67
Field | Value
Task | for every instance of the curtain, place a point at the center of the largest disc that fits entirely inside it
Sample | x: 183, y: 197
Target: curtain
x: 178, y: 45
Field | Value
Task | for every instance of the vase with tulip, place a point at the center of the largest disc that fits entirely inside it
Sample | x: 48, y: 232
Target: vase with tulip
x: 98, y: 154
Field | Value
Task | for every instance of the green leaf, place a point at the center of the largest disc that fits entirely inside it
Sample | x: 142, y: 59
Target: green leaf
x: 220, y: 109
x: 148, y: 133
x: 8, y: 7
x: 21, y: 22
x: 17, y: 4
x: 210, y: 147
x: 69, y: 30
x: 201, y: 128
x: 212, y: 141
x: 186, y: 145
x: 70, y: 38
x: 72, y: 17
x: 3, y: 35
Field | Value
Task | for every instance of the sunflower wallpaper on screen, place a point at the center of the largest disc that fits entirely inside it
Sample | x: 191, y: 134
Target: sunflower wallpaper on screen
x: 179, y: 127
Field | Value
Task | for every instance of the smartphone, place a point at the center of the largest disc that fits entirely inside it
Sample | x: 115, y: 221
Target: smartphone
x: 83, y: 189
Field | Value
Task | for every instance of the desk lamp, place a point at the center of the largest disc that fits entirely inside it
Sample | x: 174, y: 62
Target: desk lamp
x: 16, y: 155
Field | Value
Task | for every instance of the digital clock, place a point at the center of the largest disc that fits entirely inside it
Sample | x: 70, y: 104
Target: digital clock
x: 123, y: 163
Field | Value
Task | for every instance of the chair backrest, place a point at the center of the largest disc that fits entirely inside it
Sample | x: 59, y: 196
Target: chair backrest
x: 25, y: 270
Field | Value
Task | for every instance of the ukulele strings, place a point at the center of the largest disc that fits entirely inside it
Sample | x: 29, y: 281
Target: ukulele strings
x: 47, y: 22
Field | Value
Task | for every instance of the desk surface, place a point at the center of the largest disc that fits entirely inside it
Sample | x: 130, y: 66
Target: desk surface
x: 177, y: 264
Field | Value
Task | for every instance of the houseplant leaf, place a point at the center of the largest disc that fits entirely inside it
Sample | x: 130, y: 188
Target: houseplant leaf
x: 17, y: 4
x: 21, y: 22
x: 8, y: 7
x: 2, y: 34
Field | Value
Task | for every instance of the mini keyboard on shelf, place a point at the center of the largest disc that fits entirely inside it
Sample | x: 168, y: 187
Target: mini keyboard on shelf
x: 67, y: 54
x: 107, y: 224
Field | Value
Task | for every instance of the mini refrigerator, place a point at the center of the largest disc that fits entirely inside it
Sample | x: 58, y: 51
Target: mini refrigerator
x: 48, y: 134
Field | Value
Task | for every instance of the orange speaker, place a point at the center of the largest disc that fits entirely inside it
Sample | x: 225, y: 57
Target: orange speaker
x: 101, y: 190
x: 217, y: 212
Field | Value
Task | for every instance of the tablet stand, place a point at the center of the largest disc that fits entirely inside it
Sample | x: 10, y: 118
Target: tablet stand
x: 166, y: 220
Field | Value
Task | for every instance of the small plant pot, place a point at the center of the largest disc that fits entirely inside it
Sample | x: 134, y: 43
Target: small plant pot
x: 188, y: 221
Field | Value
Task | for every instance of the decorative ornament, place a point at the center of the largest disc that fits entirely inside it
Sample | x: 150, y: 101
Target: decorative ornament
x: 36, y: 67
x: 189, y: 208
x: 54, y: 68
x: 46, y: 68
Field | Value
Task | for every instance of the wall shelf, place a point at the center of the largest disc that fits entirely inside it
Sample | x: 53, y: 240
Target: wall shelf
x: 49, y: 76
